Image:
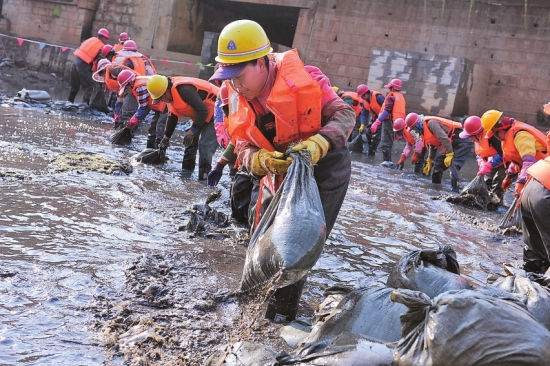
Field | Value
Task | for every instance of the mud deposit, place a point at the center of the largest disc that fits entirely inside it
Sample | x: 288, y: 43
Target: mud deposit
x: 108, y: 261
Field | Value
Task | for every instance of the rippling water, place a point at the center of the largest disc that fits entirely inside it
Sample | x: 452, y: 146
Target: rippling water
x: 66, y: 237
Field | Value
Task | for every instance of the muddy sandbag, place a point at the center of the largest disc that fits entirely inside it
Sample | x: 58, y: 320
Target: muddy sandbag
x: 356, y: 145
x: 476, y: 195
x: 535, y: 297
x: 345, y: 349
x: 291, y: 234
x: 367, y: 312
x: 466, y: 327
x: 242, y: 353
x: 431, y: 271
x: 98, y: 99
x: 122, y: 136
x: 512, y: 217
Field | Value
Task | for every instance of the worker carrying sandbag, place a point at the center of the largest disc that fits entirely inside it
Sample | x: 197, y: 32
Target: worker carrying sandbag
x: 275, y: 101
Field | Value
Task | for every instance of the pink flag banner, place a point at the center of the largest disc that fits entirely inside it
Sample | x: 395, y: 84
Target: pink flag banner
x: 20, y: 41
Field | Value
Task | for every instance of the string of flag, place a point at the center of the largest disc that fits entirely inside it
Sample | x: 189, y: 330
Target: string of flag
x: 42, y: 45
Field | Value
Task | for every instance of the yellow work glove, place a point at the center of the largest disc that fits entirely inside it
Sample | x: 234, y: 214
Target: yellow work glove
x: 265, y: 161
x: 317, y: 144
x: 428, y: 166
x: 362, y: 129
x: 448, y: 159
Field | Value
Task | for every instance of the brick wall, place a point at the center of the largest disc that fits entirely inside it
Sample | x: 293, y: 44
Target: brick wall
x: 509, y: 38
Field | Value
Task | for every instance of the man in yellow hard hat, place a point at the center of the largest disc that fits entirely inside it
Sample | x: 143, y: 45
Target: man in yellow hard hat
x: 522, y: 145
x: 193, y: 98
x: 275, y: 100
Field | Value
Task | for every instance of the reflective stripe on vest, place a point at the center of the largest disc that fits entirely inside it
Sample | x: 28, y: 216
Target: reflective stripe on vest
x: 181, y: 109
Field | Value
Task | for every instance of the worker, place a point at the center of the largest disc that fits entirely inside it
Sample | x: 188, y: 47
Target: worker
x: 129, y: 56
x: 443, y: 134
x: 411, y: 145
x: 373, y: 101
x: 535, y: 210
x: 137, y: 85
x: 260, y: 83
x: 193, y: 98
x: 394, y: 107
x: 123, y: 37
x: 488, y: 155
x: 522, y: 145
x: 84, y: 65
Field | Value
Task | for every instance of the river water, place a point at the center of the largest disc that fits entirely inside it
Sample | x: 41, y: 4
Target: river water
x: 68, y: 238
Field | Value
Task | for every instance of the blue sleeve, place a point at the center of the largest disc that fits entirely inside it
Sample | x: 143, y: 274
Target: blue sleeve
x: 364, y: 116
x: 142, y: 113
x: 382, y: 116
x: 380, y: 99
x: 497, y: 160
x: 118, y: 107
x: 218, y: 111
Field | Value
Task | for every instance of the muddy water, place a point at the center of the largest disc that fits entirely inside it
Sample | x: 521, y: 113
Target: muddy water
x: 77, y: 249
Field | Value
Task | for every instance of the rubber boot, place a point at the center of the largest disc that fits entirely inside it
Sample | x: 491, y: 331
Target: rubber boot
x: 437, y: 176
x: 282, y: 306
x: 71, y: 97
x: 386, y: 154
x: 454, y: 185
x: 151, y: 141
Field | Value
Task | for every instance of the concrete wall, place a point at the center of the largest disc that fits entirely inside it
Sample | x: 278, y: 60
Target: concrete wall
x: 509, y: 38
x: 432, y: 84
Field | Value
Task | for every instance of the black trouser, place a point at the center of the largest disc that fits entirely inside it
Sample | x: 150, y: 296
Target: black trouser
x: 81, y: 76
x: 205, y: 143
x: 156, y: 129
x: 388, y: 136
x: 129, y: 107
x: 461, y: 148
x: 240, y: 197
x: 373, y: 140
x: 535, y: 211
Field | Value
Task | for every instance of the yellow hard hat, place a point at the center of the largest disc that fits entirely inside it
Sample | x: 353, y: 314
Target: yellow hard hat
x: 241, y: 41
x: 490, y: 119
x: 157, y: 85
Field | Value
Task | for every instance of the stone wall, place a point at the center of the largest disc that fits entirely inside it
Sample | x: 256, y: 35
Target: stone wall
x: 432, y: 84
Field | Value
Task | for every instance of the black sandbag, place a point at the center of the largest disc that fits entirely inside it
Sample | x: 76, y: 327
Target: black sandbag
x: 367, y: 312
x: 466, y: 327
x: 151, y: 156
x: 476, y: 194
x: 535, y: 297
x: 99, y: 98
x: 429, y: 271
x: 346, y: 349
x: 356, y: 145
x: 122, y: 136
x: 291, y: 233
x: 512, y: 217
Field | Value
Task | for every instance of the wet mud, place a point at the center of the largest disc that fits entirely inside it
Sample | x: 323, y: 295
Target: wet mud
x: 134, y: 264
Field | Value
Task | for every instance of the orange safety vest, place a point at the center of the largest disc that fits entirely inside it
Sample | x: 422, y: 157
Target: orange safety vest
x: 408, y: 137
x: 112, y: 83
x: 89, y: 49
x: 142, y: 81
x: 429, y: 138
x: 138, y: 63
x: 541, y: 171
x: 484, y: 149
x: 509, y: 150
x: 118, y: 47
x: 294, y: 100
x: 357, y: 102
x: 373, y: 107
x: 399, y: 105
x: 180, y: 108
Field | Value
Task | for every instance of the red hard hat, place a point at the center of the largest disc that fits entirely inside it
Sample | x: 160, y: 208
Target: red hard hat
x: 104, y: 32
x: 395, y: 83
x: 224, y: 94
x: 102, y: 64
x: 411, y: 120
x: 399, y: 124
x: 123, y: 37
x: 106, y: 50
x: 124, y: 78
x: 472, y: 126
x: 362, y: 89
x: 130, y: 46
